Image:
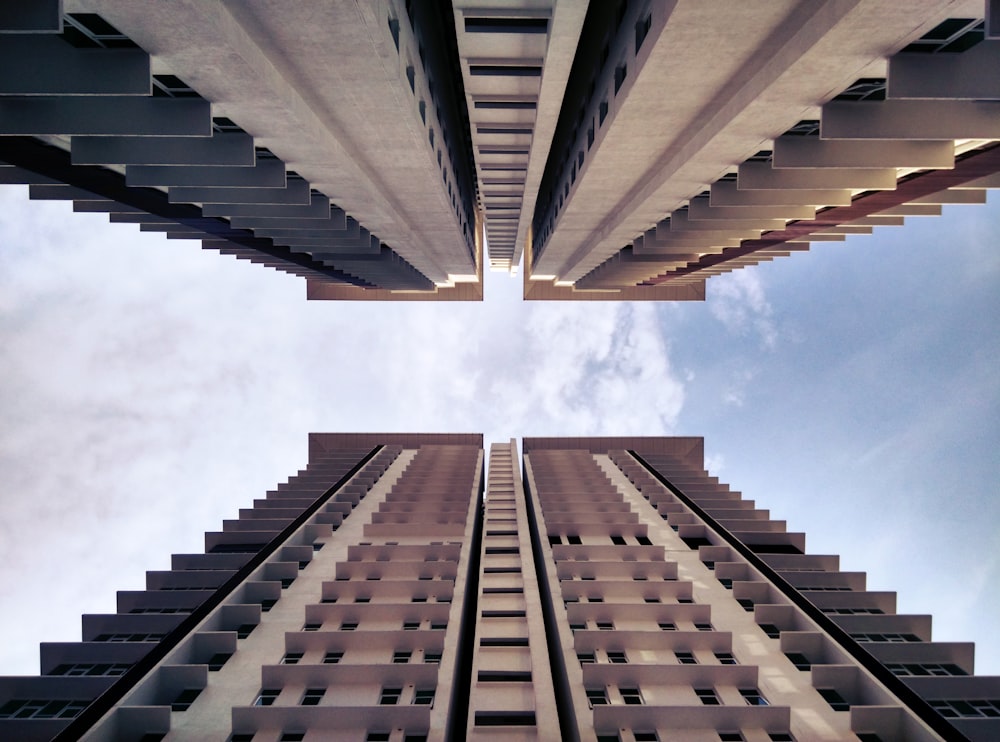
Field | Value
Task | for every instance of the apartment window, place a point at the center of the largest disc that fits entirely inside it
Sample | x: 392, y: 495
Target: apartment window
x: 746, y: 604
x: 651, y: 599
x: 245, y: 630
x: 347, y: 626
x: 618, y: 540
x: 686, y: 658
x: 415, y: 738
x: 771, y: 630
x: 503, y: 641
x: 292, y: 737
x: 786, y: 737
x: 423, y: 697
x: 709, y: 563
x: 643, y: 541
x: 730, y: 737
x: 608, y: 738
x: 917, y: 669
x: 91, y: 669
x: 573, y: 539
x: 411, y: 625
x: 362, y: 599
x: 389, y: 696
x: 597, y: 697
x: 605, y: 626
x: 832, y: 697
x: 312, y: 696
x: 377, y: 737
x: 753, y: 697
x: 432, y: 658
x: 401, y: 658
x: 798, y: 659
x: 267, y: 697
x: 707, y: 696
x: 631, y: 696
x: 291, y: 658
x: 726, y: 583
x: 41, y: 709
x: 332, y: 658
x: 217, y: 660
x: 504, y: 676
x: 898, y: 638
x: 685, y: 601
x: 241, y: 737
x: 439, y: 625
x: 418, y: 599
x: 955, y: 709
x: 312, y: 626
x: 576, y: 626
x: 595, y: 599
x: 667, y: 626
x: 586, y: 658
x: 185, y: 699
x: 617, y: 658
x: 703, y: 626
x: 726, y: 658
x: 645, y: 737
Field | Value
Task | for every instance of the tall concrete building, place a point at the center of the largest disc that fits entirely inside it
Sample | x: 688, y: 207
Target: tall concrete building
x: 608, y: 589
x: 623, y: 149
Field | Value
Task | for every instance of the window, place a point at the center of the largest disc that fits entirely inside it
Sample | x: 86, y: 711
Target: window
x: 726, y: 658
x: 401, y: 658
x: 292, y: 737
x: 703, y: 626
x: 771, y: 630
x: 332, y: 658
x: 707, y: 696
x: 184, y: 699
x: 363, y: 599
x: 916, y: 669
x: 686, y: 658
x: 605, y: 626
x: 618, y: 540
x: 667, y: 626
x: 586, y: 658
x: 291, y: 658
x: 439, y: 625
x: 597, y: 697
x: 608, y: 738
x: 798, y: 659
x: 217, y: 660
x: 685, y: 601
x: 645, y: 737
x: 726, y: 583
x: 781, y: 737
x: 42, y: 709
x: 865, y: 638
x: 432, y: 658
x: 245, y: 630
x: 241, y: 737
x: 91, y: 669
x: 266, y: 697
x: 312, y: 696
x: 423, y: 697
x: 617, y: 658
x: 377, y: 737
x: 411, y: 625
x: 643, y: 541
x: 349, y: 626
x: 832, y: 697
x: 573, y: 539
x: 753, y: 697
x: 972, y: 709
x: 504, y: 676
x: 312, y: 626
x: 503, y: 641
x: 651, y: 599
x: 631, y: 696
x: 389, y: 696
x: 747, y: 604
x: 576, y: 626
x: 730, y: 737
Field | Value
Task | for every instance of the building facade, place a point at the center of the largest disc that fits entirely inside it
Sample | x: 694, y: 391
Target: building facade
x: 389, y: 150
x: 607, y: 589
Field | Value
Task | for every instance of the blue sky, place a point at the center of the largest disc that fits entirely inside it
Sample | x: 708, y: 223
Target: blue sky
x: 150, y: 389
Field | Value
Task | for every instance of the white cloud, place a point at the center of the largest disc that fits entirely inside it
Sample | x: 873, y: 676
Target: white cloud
x: 738, y: 301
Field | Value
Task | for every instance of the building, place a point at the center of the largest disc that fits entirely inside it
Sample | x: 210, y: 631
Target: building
x: 614, y: 590
x: 627, y: 150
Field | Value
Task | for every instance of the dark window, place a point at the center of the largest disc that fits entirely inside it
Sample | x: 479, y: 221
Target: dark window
x: 573, y: 539
x: 771, y: 630
x: 389, y: 696
x: 726, y: 658
x: 781, y: 737
x: 332, y: 658
x: 621, y: 72
x: 504, y: 641
x: 291, y: 658
x: 184, y: 699
x: 348, y: 626
x: 597, y: 697
x: 217, y: 660
x: 423, y: 697
x: 799, y: 660
x: 378, y: 737
x: 645, y: 737
x: 505, y: 718
x: 586, y: 658
x: 245, y: 630
x: 292, y: 737
x: 707, y: 696
x: 916, y: 669
x: 730, y: 737
x: 631, y: 696
x: 832, y: 697
x: 605, y: 626
x: 641, y: 30
x: 667, y: 626
x: 266, y: 697
x: 312, y: 627
x: 432, y: 658
x: 643, y: 541
x: 312, y: 696
x: 753, y: 697
x: 617, y: 658
x: 618, y: 540
x: 686, y: 658
x: 703, y: 626
x: 401, y: 658
x: 504, y: 676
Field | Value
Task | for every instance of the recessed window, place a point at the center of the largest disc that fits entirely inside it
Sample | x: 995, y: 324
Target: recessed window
x: 798, y: 659
x: 597, y: 697
x: 432, y: 658
x: 703, y: 626
x: 312, y: 696
x: 771, y: 630
x: 586, y: 658
x: 389, y: 696
x: 349, y: 626
x: 423, y: 697
x: 266, y: 697
x: 401, y: 658
x: 631, y: 696
x: 726, y: 658
x: 291, y: 658
x: 332, y: 658
x: 618, y: 540
x: 605, y: 626
x: 378, y: 736
x: 730, y: 737
x: 292, y: 737
x: 362, y: 599
x: 217, y: 660
x: 184, y: 699
x: 312, y: 627
x: 645, y: 737
x: 667, y: 626
x: 686, y: 658
x: 641, y: 31
x: 832, y: 697
x: 707, y: 696
x: 617, y: 658
x: 753, y: 697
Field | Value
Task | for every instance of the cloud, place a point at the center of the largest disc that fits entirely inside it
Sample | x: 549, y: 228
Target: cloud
x: 738, y: 301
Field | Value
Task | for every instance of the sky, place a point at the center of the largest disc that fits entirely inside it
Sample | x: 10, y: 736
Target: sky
x: 149, y: 389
